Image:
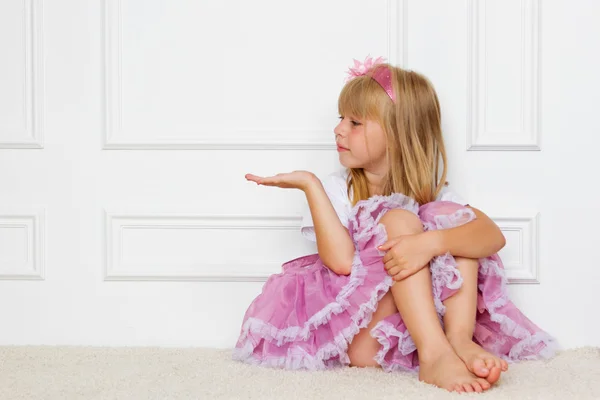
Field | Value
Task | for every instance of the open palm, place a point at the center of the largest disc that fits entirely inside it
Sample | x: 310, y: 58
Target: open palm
x: 290, y: 180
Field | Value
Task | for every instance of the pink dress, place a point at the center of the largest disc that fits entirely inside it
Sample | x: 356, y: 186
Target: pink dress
x: 307, y: 315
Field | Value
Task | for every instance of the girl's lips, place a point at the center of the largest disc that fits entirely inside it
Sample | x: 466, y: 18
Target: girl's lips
x: 340, y: 148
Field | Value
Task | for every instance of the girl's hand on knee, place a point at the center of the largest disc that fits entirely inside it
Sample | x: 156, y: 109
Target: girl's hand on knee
x: 291, y: 180
x: 408, y: 254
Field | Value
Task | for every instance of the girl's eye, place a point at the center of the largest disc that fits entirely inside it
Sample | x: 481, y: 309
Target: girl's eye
x: 354, y: 123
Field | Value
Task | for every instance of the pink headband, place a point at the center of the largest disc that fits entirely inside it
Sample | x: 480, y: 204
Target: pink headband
x: 381, y: 75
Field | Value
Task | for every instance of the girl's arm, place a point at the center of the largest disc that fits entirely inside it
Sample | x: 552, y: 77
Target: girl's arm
x: 334, y: 244
x: 476, y: 239
x: 406, y: 255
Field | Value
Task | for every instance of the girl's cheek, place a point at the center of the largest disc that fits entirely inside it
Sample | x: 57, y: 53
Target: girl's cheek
x: 356, y: 131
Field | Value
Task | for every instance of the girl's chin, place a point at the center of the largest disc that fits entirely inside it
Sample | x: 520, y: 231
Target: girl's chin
x: 343, y: 161
x: 347, y: 164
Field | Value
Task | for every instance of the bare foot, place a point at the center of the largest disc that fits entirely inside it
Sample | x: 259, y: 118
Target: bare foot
x: 480, y: 362
x: 446, y: 370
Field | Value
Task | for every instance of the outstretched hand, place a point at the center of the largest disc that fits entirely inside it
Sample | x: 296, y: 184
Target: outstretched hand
x: 408, y: 254
x: 291, y: 180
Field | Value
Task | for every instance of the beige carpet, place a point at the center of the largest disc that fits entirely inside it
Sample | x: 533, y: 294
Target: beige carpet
x: 193, y: 373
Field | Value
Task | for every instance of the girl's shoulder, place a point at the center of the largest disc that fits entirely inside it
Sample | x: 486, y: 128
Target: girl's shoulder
x: 335, y: 187
x: 340, y: 177
x: 447, y: 194
x: 336, y: 184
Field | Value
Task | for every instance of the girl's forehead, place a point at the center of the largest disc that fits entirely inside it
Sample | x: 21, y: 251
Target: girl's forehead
x: 357, y: 103
x: 352, y: 105
x: 357, y: 110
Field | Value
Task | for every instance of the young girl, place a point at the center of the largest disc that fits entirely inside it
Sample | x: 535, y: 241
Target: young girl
x: 366, y: 299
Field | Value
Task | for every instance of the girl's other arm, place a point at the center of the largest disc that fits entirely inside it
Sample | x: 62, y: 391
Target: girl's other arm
x: 334, y: 244
x: 476, y: 239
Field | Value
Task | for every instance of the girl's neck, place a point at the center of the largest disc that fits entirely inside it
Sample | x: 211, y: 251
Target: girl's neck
x: 375, y: 182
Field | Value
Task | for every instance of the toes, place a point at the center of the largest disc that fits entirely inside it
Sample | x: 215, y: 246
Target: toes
x: 494, y: 375
x: 490, y: 363
x: 468, y: 388
x: 480, y: 368
x: 498, y: 363
x: 485, y: 385
x: 477, y: 387
x: 457, y: 388
x: 504, y: 365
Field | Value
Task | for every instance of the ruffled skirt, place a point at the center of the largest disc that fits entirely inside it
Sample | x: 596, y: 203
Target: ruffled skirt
x: 307, y: 315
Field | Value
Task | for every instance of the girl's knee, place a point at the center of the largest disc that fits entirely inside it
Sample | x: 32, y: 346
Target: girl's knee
x: 402, y: 220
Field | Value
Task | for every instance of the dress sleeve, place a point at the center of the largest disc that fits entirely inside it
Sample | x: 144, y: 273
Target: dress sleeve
x: 335, y: 188
x: 446, y: 194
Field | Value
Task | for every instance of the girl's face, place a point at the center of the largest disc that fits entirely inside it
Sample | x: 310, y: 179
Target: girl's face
x: 361, y: 144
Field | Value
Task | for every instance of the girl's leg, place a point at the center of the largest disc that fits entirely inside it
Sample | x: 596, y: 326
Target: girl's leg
x: 413, y: 296
x: 459, y: 322
x: 364, y: 347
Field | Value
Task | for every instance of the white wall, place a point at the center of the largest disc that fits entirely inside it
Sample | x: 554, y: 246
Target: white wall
x: 126, y: 128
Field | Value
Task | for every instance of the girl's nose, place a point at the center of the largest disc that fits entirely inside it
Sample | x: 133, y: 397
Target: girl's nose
x: 339, y: 129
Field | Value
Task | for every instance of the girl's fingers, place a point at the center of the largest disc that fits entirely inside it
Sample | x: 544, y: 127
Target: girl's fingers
x: 403, y: 274
x: 269, y: 182
x: 387, y: 245
x: 390, y: 256
x: 280, y: 180
x: 253, y: 178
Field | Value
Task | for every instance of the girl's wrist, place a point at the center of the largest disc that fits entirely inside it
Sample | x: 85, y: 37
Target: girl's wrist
x: 438, y: 242
x: 312, y: 183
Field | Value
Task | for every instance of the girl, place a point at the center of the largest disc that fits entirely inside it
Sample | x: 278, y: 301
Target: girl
x: 366, y: 299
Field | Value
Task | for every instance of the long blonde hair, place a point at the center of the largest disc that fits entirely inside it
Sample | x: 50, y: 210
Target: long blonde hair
x: 412, y: 125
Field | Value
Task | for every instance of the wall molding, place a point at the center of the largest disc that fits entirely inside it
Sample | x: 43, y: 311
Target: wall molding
x: 478, y: 136
x: 293, y: 139
x: 33, y: 221
x: 526, y: 270
x: 33, y: 86
x: 117, y: 222
x: 397, y: 32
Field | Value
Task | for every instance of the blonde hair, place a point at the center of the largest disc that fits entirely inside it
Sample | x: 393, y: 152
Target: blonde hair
x: 412, y: 125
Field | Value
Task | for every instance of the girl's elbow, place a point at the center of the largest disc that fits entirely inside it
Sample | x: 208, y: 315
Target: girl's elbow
x: 339, y: 262
x: 345, y: 271
x: 501, y: 241
x: 343, y: 268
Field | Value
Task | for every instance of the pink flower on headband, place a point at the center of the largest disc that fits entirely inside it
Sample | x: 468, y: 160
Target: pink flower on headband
x: 360, y: 69
x: 383, y: 75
